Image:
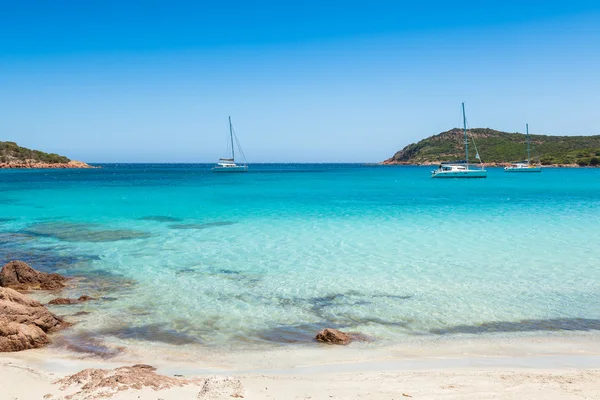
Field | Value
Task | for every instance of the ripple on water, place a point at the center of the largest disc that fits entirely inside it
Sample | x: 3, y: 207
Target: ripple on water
x: 525, y: 325
x: 160, y: 218
x: 151, y: 332
x: 83, y: 232
x: 103, y: 282
x: 348, y: 309
x: 87, y: 343
x: 248, y: 280
x: 205, y: 225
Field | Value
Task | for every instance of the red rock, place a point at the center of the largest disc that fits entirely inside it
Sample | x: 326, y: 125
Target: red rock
x: 31, y: 164
x: 332, y: 336
x: 102, y: 383
x: 25, y: 323
x: 80, y: 313
x: 20, y: 276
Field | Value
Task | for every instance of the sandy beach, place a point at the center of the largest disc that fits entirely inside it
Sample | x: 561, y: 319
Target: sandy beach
x: 561, y: 367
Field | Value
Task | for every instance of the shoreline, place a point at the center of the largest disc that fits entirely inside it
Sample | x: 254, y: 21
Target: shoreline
x: 30, y: 164
x: 505, y: 368
x: 490, y: 165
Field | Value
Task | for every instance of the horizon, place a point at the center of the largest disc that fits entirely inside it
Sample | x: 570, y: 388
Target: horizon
x: 105, y: 82
x: 367, y: 162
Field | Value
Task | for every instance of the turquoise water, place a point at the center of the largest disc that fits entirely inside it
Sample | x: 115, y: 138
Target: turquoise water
x: 177, y: 254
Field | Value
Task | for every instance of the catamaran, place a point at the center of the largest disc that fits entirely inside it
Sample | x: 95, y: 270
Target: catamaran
x: 228, y: 164
x: 460, y: 169
x: 524, y: 166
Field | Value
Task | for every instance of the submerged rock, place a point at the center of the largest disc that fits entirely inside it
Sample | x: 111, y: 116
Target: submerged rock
x: 83, y: 232
x: 20, y: 276
x: 151, y: 333
x: 25, y: 323
x: 63, y: 300
x: 80, y: 313
x: 88, y: 343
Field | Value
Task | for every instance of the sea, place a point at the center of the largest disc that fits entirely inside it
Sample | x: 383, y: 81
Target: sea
x: 177, y: 255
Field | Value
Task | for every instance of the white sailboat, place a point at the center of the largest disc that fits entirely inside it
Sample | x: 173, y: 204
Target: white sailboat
x: 524, y: 166
x: 228, y: 164
x: 460, y: 169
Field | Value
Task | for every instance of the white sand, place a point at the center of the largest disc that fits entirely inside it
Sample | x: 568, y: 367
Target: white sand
x: 532, y: 368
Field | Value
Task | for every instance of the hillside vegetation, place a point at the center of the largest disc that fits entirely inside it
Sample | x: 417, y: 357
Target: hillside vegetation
x: 10, y: 152
x: 501, y: 147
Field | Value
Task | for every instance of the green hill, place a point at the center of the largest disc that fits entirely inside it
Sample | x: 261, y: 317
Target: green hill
x: 501, y: 147
x: 10, y: 152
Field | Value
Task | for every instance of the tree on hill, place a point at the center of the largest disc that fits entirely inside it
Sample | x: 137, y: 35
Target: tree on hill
x: 11, y: 152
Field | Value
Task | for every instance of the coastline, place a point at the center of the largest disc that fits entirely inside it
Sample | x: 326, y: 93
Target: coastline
x: 30, y: 164
x: 473, y: 368
x: 491, y: 165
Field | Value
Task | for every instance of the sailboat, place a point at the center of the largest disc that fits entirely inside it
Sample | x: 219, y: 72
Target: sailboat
x: 460, y: 169
x: 524, y: 166
x: 228, y: 164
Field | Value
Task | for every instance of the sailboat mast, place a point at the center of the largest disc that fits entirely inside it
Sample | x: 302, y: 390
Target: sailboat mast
x: 231, y: 136
x: 465, y: 131
x: 528, y: 146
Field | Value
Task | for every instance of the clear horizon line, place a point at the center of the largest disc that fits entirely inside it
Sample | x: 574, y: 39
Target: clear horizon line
x: 253, y: 163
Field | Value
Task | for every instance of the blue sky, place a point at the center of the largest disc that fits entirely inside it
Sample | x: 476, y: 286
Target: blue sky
x: 306, y: 81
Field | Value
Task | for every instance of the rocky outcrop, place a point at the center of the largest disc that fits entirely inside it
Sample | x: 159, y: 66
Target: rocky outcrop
x: 20, y: 276
x: 63, y: 300
x: 100, y: 383
x: 332, y: 336
x: 25, y: 323
x: 14, y: 156
x: 32, y: 164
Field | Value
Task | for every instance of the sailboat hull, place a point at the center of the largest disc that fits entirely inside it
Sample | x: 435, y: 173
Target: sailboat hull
x: 523, y: 169
x: 237, y: 168
x: 227, y: 164
x: 459, y: 174
x: 460, y: 170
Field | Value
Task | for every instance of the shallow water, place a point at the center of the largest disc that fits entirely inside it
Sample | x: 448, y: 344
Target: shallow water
x: 180, y: 255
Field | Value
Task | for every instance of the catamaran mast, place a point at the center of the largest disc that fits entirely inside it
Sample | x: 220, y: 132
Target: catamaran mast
x: 465, y: 130
x: 528, y: 150
x: 231, y: 136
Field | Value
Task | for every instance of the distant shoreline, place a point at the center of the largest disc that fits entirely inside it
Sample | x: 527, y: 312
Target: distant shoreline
x: 493, y: 164
x: 31, y: 164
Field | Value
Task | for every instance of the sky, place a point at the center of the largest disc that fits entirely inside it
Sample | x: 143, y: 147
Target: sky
x: 306, y: 81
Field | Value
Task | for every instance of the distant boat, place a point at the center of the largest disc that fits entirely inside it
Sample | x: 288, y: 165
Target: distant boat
x: 524, y: 166
x: 460, y: 169
x: 228, y: 164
